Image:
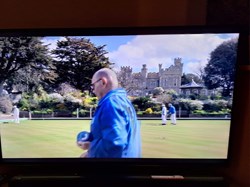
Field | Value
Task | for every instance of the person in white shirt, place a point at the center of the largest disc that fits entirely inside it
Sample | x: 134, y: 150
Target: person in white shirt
x: 16, y: 114
x: 164, y: 114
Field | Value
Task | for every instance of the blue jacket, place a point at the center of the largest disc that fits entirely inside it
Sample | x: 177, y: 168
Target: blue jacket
x: 171, y: 110
x: 114, y: 128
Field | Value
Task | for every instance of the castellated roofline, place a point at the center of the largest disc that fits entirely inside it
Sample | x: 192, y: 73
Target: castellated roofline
x: 153, y: 75
x: 178, y: 59
x: 177, y: 67
x: 137, y: 75
x: 126, y: 68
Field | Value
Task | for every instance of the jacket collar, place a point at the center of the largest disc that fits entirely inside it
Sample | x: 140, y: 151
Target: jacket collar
x: 118, y: 91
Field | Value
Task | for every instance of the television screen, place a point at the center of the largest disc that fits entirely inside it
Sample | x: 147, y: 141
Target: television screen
x: 46, y: 100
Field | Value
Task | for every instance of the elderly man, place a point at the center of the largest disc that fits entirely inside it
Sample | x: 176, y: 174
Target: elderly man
x: 115, y: 130
x: 172, y: 113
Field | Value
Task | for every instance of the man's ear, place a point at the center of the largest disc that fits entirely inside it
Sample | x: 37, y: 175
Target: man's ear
x: 104, y: 81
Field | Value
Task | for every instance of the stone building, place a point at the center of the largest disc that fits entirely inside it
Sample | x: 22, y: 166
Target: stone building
x: 144, y: 82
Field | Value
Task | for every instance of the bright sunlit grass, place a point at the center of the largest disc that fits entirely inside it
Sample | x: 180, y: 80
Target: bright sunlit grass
x: 57, y: 138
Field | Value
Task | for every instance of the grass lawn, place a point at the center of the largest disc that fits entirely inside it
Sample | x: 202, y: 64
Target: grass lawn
x: 57, y: 138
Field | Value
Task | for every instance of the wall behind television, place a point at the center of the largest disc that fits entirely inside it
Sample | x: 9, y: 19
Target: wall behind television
x: 114, y: 13
x: 94, y: 13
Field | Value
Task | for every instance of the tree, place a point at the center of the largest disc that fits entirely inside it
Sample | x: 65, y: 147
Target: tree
x: 220, y: 70
x: 158, y: 91
x: 190, y: 105
x: 168, y: 96
x: 142, y: 103
x: 29, y: 79
x: 164, y: 98
x: 127, y: 81
x: 172, y: 93
x: 23, y: 60
x: 5, y: 104
x: 187, y: 78
x: 200, y: 72
x: 77, y: 59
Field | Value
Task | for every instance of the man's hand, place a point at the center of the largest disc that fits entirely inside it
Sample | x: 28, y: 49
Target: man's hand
x: 84, y: 155
x: 83, y: 145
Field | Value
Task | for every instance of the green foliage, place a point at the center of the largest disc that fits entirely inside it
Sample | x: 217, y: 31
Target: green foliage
x: 55, y: 98
x: 203, y: 97
x: 90, y: 102
x: 29, y: 102
x: 158, y: 91
x: 45, y: 111
x: 140, y: 112
x: 190, y: 105
x: 156, y: 107
x: 5, y: 104
x: 172, y: 93
x: 64, y: 89
x: 220, y: 70
x: 77, y: 59
x: 142, y: 103
x: 199, y: 112
x: 55, y: 102
x: 71, y: 106
x: 215, y: 105
x: 226, y: 110
x: 230, y: 103
x: 216, y: 96
x: 195, y: 105
x: 82, y: 113
x: 194, y: 96
x: 164, y: 98
x: 136, y: 107
x: 24, y: 104
x: 205, y: 113
x: 24, y: 62
x: 187, y: 78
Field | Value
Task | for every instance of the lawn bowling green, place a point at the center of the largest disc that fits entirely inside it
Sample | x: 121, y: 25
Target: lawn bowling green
x: 57, y: 139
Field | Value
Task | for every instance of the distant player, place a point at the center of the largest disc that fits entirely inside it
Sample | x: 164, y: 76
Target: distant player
x: 172, y: 113
x: 164, y: 114
x: 16, y: 114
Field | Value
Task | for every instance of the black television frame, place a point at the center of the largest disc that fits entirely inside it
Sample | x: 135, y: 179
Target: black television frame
x: 136, y: 166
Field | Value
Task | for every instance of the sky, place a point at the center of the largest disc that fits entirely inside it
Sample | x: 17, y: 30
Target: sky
x: 152, y: 50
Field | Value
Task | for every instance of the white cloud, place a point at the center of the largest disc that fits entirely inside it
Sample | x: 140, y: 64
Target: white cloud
x: 195, y: 67
x: 52, y: 41
x: 194, y: 49
x: 159, y: 49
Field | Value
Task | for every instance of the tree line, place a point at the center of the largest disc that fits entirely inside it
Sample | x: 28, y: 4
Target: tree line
x: 27, y: 65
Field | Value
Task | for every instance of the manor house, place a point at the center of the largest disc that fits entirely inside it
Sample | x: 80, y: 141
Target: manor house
x: 144, y: 82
